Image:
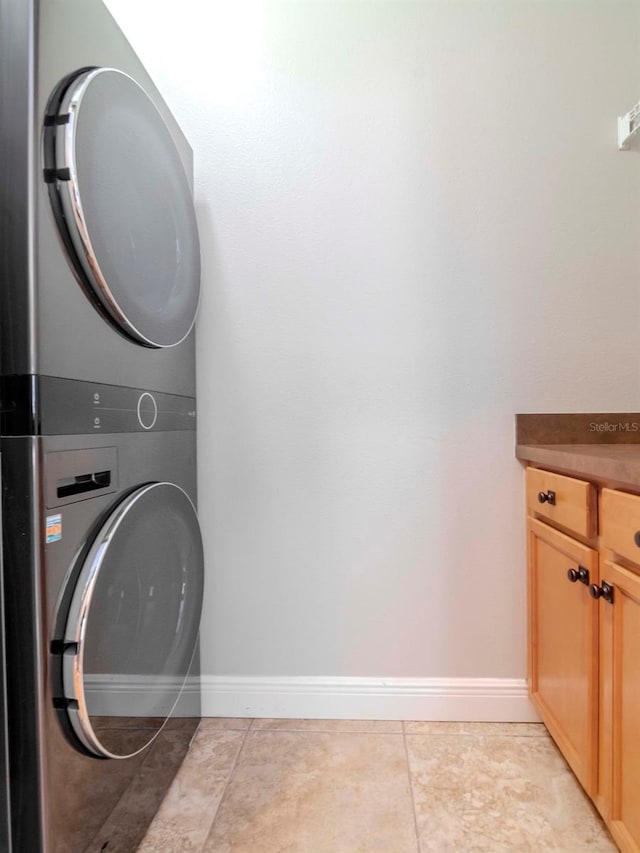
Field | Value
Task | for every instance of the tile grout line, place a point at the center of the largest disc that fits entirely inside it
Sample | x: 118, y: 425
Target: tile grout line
x: 329, y: 731
x: 413, y: 799
x: 226, y: 784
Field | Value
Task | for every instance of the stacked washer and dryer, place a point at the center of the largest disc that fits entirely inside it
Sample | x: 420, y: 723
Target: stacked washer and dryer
x: 102, y: 554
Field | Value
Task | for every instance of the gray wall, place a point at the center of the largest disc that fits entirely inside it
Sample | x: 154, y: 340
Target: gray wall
x: 415, y: 223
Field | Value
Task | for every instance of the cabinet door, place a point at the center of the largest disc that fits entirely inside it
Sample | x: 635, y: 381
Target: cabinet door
x: 563, y: 646
x: 621, y: 622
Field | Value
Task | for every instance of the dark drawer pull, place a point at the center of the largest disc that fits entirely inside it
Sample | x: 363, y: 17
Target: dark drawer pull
x: 580, y: 574
x: 547, y: 497
x: 81, y: 483
x: 605, y: 591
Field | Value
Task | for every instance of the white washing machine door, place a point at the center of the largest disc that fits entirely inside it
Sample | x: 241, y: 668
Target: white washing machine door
x: 133, y: 622
x: 123, y: 205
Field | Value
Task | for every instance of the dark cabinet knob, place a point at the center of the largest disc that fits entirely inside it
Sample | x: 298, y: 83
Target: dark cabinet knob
x: 605, y: 591
x: 547, y: 497
x: 580, y: 574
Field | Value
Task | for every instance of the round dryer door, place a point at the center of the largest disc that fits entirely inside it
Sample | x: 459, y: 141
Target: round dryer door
x: 132, y: 627
x: 123, y: 205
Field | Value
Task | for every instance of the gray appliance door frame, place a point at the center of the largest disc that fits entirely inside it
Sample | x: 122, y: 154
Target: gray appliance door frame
x: 123, y: 205
x: 115, y: 619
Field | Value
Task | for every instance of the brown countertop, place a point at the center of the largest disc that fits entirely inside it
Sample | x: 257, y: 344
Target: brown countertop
x: 603, y: 447
x: 616, y: 465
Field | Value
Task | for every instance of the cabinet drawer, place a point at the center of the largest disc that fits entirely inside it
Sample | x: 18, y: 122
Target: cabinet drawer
x: 572, y: 503
x: 620, y: 523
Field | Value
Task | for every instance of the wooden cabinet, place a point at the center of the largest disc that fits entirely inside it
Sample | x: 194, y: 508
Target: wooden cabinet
x: 563, y: 649
x: 584, y: 638
x: 620, y: 675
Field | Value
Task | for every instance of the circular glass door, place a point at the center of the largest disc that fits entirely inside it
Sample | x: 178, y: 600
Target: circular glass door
x: 123, y: 205
x: 133, y: 622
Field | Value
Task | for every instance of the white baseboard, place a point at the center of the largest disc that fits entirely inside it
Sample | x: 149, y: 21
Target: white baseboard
x: 121, y: 695
x: 449, y: 699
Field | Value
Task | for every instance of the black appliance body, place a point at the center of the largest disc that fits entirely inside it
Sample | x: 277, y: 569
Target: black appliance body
x: 100, y: 256
x: 103, y: 600
x: 101, y: 550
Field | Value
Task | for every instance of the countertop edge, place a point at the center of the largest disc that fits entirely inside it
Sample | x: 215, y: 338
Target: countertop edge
x: 605, y: 469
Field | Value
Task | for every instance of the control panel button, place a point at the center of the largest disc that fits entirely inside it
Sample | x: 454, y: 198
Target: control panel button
x: 147, y: 410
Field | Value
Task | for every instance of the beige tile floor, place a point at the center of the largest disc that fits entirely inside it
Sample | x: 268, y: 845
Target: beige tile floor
x: 336, y: 786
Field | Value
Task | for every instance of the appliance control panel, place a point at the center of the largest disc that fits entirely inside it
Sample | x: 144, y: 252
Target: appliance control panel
x: 84, y: 407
